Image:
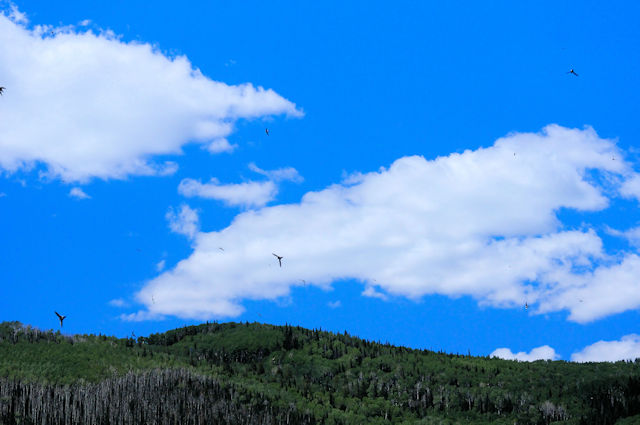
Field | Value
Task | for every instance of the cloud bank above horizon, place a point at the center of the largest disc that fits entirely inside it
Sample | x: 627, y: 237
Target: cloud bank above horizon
x: 625, y: 349
x: 482, y: 223
x: 539, y: 353
x: 106, y: 108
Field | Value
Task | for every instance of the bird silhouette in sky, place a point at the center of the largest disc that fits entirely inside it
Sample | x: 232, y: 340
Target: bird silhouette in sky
x: 221, y: 248
x: 2, y: 89
x: 266, y: 130
x: 526, y: 306
x: 571, y: 71
x: 279, y: 258
x: 60, y: 317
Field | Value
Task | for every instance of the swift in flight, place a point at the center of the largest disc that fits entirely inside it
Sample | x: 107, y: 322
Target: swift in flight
x: 61, y: 318
x: 571, y: 71
x: 279, y: 258
x: 266, y: 130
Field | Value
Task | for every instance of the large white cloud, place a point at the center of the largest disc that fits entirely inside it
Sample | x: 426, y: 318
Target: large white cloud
x: 104, y: 108
x: 482, y: 223
x: 627, y: 348
x: 539, y: 353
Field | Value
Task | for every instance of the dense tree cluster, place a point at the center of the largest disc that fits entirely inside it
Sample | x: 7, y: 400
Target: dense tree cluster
x: 254, y: 373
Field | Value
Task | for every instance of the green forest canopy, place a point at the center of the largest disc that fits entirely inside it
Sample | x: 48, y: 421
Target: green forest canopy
x: 294, y: 375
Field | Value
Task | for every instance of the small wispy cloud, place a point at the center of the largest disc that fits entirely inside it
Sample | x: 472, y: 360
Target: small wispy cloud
x: 141, y: 316
x: 16, y: 16
x: 78, y: 193
x: 539, y: 353
x: 221, y: 145
x: 370, y: 291
x: 185, y: 222
x: 627, y: 348
x: 280, y: 174
x: 118, y: 302
x: 631, y: 235
x: 334, y: 304
x: 160, y: 265
x: 249, y: 194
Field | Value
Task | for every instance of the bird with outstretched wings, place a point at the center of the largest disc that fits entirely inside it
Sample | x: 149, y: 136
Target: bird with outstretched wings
x: 2, y: 89
x: 60, y: 317
x: 279, y: 258
x: 571, y: 71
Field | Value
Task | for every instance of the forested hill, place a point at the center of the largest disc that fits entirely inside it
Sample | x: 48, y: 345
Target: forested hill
x: 233, y: 373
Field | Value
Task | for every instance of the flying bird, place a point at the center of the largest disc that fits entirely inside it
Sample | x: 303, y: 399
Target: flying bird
x: 60, y: 317
x: 571, y: 71
x: 526, y: 306
x: 279, y: 258
x: 221, y: 248
x: 266, y: 130
x: 2, y: 89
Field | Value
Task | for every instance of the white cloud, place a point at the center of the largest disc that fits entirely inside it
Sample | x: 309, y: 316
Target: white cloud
x: 78, y: 193
x: 481, y: 223
x: 334, y: 304
x: 185, y: 222
x: 631, y: 235
x: 370, y: 291
x: 631, y: 187
x: 248, y: 194
x: 609, y: 289
x: 627, y: 348
x: 221, y: 145
x: 118, y: 302
x: 140, y: 316
x: 280, y: 174
x: 539, y: 353
x: 106, y: 108
x: 160, y: 265
x: 16, y: 16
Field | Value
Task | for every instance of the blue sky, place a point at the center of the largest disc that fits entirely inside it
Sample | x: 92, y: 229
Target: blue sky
x: 429, y: 169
